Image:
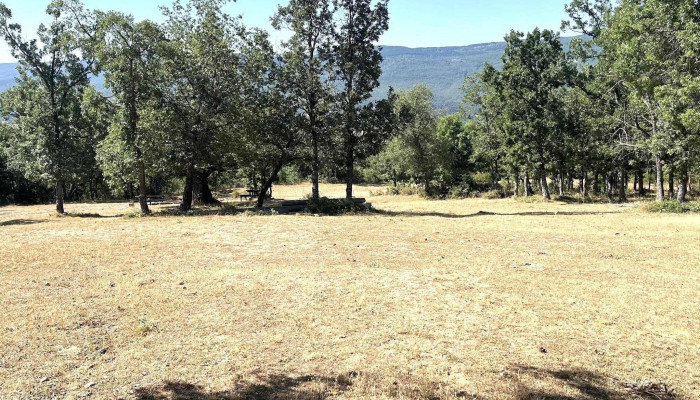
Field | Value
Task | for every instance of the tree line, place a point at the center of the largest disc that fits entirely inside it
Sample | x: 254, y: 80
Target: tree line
x: 198, y: 94
x: 201, y: 95
x: 617, y: 109
x: 621, y: 105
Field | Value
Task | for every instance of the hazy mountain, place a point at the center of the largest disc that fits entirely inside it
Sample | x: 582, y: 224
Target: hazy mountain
x: 443, y: 69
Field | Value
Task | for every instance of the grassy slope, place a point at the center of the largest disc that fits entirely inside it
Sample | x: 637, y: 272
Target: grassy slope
x: 431, y: 299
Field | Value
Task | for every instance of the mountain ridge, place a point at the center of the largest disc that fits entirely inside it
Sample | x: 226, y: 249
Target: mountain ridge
x: 442, y: 69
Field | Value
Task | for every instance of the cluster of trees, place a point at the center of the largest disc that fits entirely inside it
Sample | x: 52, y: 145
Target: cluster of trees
x: 198, y: 94
x: 623, y: 104
x: 201, y: 94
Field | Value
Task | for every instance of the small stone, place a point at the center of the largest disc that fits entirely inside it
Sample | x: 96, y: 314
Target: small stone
x: 44, y: 379
x: 91, y: 384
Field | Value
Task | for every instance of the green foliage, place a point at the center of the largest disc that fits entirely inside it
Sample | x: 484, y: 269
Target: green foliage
x: 308, y: 66
x: 673, y: 207
x: 356, y: 62
x: 326, y: 206
x: 424, y: 152
x: 44, y: 107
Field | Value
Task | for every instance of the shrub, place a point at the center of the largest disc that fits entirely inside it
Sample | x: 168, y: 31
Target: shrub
x: 494, y: 194
x: 674, y: 207
x: 402, y: 189
x: 457, y: 192
x: 482, y: 179
x: 326, y: 206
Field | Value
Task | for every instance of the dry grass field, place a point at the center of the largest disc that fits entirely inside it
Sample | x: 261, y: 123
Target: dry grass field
x: 471, y: 299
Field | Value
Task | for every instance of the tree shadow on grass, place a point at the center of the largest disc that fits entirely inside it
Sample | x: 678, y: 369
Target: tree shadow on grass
x: 527, y: 383
x: 90, y: 215
x: 276, y: 387
x: 585, y: 385
x: 490, y: 214
x: 21, y: 222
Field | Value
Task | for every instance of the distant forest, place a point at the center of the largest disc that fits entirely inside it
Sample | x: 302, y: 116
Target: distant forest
x: 202, y: 102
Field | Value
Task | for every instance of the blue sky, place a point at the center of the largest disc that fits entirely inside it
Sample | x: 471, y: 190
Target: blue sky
x: 414, y: 23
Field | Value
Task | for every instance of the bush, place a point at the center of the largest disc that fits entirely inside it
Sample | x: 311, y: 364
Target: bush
x: 326, y: 206
x: 402, y: 189
x: 494, y: 194
x: 457, y: 192
x: 674, y: 207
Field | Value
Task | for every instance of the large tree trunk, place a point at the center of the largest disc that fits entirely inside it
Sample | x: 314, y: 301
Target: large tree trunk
x: 517, y: 183
x: 660, y: 195
x: 268, y: 184
x: 186, y: 204
x: 671, y: 183
x: 143, y: 197
x: 640, y: 183
x: 59, y: 196
x: 201, y: 192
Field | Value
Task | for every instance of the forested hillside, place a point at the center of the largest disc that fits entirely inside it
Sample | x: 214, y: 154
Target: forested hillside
x: 442, y: 69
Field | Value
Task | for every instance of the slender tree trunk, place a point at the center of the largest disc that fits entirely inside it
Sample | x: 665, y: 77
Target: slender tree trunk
x: 561, y: 181
x: 543, y: 184
x: 517, y: 183
x: 143, y: 197
x: 660, y: 195
x: 596, y: 182
x: 350, y: 166
x: 683, y: 180
x: 609, y: 178
x: 622, y: 185
x: 315, y: 163
x: 570, y: 179
x: 186, y: 203
x: 60, y: 196
x: 671, y: 183
x: 640, y: 183
x: 544, y: 188
x: 526, y: 184
x: 584, y: 183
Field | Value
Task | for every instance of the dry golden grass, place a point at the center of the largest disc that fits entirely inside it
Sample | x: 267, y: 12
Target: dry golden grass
x: 429, y: 300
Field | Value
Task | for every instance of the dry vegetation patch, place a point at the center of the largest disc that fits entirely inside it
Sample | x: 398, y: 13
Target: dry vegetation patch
x: 487, y: 299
